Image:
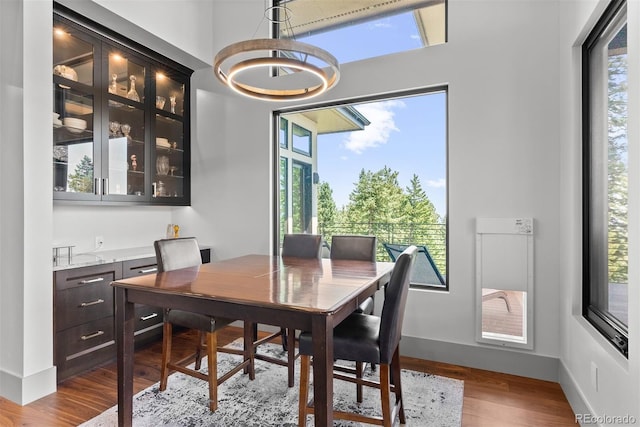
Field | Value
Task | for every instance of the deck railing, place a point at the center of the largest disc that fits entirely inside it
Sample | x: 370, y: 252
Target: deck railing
x: 433, y: 236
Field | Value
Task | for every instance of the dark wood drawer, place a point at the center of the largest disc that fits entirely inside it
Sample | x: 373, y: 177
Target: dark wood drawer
x: 147, y: 316
x: 75, y: 277
x: 83, y: 304
x: 84, y: 346
x: 138, y: 267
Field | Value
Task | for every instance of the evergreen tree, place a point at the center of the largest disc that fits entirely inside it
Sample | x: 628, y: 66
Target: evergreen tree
x: 377, y: 198
x: 327, y: 211
x: 81, y: 180
x: 617, y: 170
x: 418, y: 207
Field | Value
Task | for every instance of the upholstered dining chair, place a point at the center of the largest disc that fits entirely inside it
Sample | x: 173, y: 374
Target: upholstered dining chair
x: 360, y: 248
x: 173, y: 254
x: 295, y: 246
x: 364, y: 338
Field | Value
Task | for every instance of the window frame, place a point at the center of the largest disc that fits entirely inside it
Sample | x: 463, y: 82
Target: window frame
x: 606, y: 324
x: 276, y: 115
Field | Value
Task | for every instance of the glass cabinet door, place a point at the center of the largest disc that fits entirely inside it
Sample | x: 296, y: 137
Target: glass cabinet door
x: 121, y: 118
x: 125, y: 130
x: 171, y: 166
x: 74, y: 153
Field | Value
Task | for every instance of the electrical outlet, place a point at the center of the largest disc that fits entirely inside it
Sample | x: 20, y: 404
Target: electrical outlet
x: 99, y: 242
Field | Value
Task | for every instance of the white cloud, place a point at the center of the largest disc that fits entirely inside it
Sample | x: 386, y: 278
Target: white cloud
x: 381, y: 116
x: 438, y: 183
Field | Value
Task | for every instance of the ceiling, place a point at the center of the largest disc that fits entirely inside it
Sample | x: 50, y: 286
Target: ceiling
x: 313, y: 16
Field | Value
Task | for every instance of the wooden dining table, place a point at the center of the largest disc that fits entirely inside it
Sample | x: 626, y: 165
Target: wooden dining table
x: 304, y: 294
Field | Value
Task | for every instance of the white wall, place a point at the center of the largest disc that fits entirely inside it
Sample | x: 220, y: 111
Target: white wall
x: 26, y: 301
x: 503, y: 126
x: 618, y: 379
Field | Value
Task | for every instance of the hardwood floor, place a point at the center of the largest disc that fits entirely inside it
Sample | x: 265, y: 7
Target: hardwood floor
x: 490, y: 399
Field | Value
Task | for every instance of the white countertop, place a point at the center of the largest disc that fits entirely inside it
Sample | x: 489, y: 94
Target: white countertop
x: 102, y: 257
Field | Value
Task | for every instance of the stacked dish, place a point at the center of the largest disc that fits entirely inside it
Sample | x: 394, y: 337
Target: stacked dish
x: 74, y: 125
x: 163, y: 142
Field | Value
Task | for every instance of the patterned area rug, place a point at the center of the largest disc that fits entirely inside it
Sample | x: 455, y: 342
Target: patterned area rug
x: 267, y: 401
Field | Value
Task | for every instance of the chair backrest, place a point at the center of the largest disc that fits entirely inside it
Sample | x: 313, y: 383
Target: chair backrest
x: 425, y: 271
x: 361, y: 248
x: 173, y: 254
x: 302, y: 245
x: 395, y: 300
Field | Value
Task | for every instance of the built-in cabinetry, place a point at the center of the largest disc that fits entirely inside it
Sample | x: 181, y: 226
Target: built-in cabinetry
x: 84, y: 317
x: 84, y: 334
x: 121, y: 129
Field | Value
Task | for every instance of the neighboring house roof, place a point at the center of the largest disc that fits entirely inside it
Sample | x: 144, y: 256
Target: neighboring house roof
x: 339, y: 119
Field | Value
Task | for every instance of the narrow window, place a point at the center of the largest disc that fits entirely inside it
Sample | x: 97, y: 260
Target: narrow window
x: 605, y: 174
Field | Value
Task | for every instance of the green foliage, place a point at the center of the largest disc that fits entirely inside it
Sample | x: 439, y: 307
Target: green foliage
x: 617, y: 171
x: 81, y: 180
x: 327, y: 211
x: 379, y: 206
x: 376, y: 198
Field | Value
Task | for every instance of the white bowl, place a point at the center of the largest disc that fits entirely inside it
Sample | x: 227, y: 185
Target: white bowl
x: 74, y: 125
x: 163, y: 142
x: 66, y: 72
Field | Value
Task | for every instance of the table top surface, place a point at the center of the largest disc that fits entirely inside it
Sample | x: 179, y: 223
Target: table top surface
x: 261, y: 280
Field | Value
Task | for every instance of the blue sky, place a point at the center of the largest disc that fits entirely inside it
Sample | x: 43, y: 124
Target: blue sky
x: 408, y: 135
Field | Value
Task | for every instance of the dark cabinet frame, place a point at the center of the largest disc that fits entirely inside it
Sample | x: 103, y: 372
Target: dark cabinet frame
x: 103, y: 39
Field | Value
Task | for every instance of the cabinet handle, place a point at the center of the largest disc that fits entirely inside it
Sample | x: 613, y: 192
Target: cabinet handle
x: 150, y: 316
x: 87, y: 304
x: 148, y: 270
x: 97, y: 279
x: 93, y: 335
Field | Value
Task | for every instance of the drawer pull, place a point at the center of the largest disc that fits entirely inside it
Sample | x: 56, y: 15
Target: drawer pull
x: 148, y: 270
x: 87, y: 304
x: 93, y: 335
x: 97, y: 279
x: 150, y: 316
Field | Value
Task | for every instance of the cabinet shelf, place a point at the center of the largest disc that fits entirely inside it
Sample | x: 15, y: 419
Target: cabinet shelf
x: 63, y: 136
x: 168, y: 150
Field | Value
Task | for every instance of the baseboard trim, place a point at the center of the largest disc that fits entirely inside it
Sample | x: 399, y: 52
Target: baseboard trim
x: 24, y: 390
x: 572, y: 392
x: 482, y: 357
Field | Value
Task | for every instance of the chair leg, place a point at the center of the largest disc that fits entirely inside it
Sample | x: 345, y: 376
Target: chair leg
x: 396, y: 374
x: 359, y: 369
x: 385, y: 394
x: 212, y: 365
x: 201, y: 338
x: 305, y: 364
x: 291, y: 355
x: 167, y: 331
x: 283, y: 334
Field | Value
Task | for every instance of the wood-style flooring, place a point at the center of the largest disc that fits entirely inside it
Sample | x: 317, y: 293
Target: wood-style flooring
x: 490, y: 399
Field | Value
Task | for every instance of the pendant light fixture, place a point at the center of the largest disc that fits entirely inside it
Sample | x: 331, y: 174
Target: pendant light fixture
x: 303, y: 70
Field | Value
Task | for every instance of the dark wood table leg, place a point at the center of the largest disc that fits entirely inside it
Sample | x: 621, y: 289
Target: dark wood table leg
x: 250, y: 335
x: 125, y: 322
x: 322, y: 333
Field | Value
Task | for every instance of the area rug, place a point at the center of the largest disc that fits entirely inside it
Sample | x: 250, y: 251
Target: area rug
x: 429, y: 400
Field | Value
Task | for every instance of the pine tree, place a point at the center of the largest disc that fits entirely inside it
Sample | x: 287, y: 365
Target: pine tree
x: 81, y: 180
x: 327, y: 211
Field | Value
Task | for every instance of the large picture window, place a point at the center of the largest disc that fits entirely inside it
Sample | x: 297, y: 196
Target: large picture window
x: 605, y: 172
x: 370, y: 167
